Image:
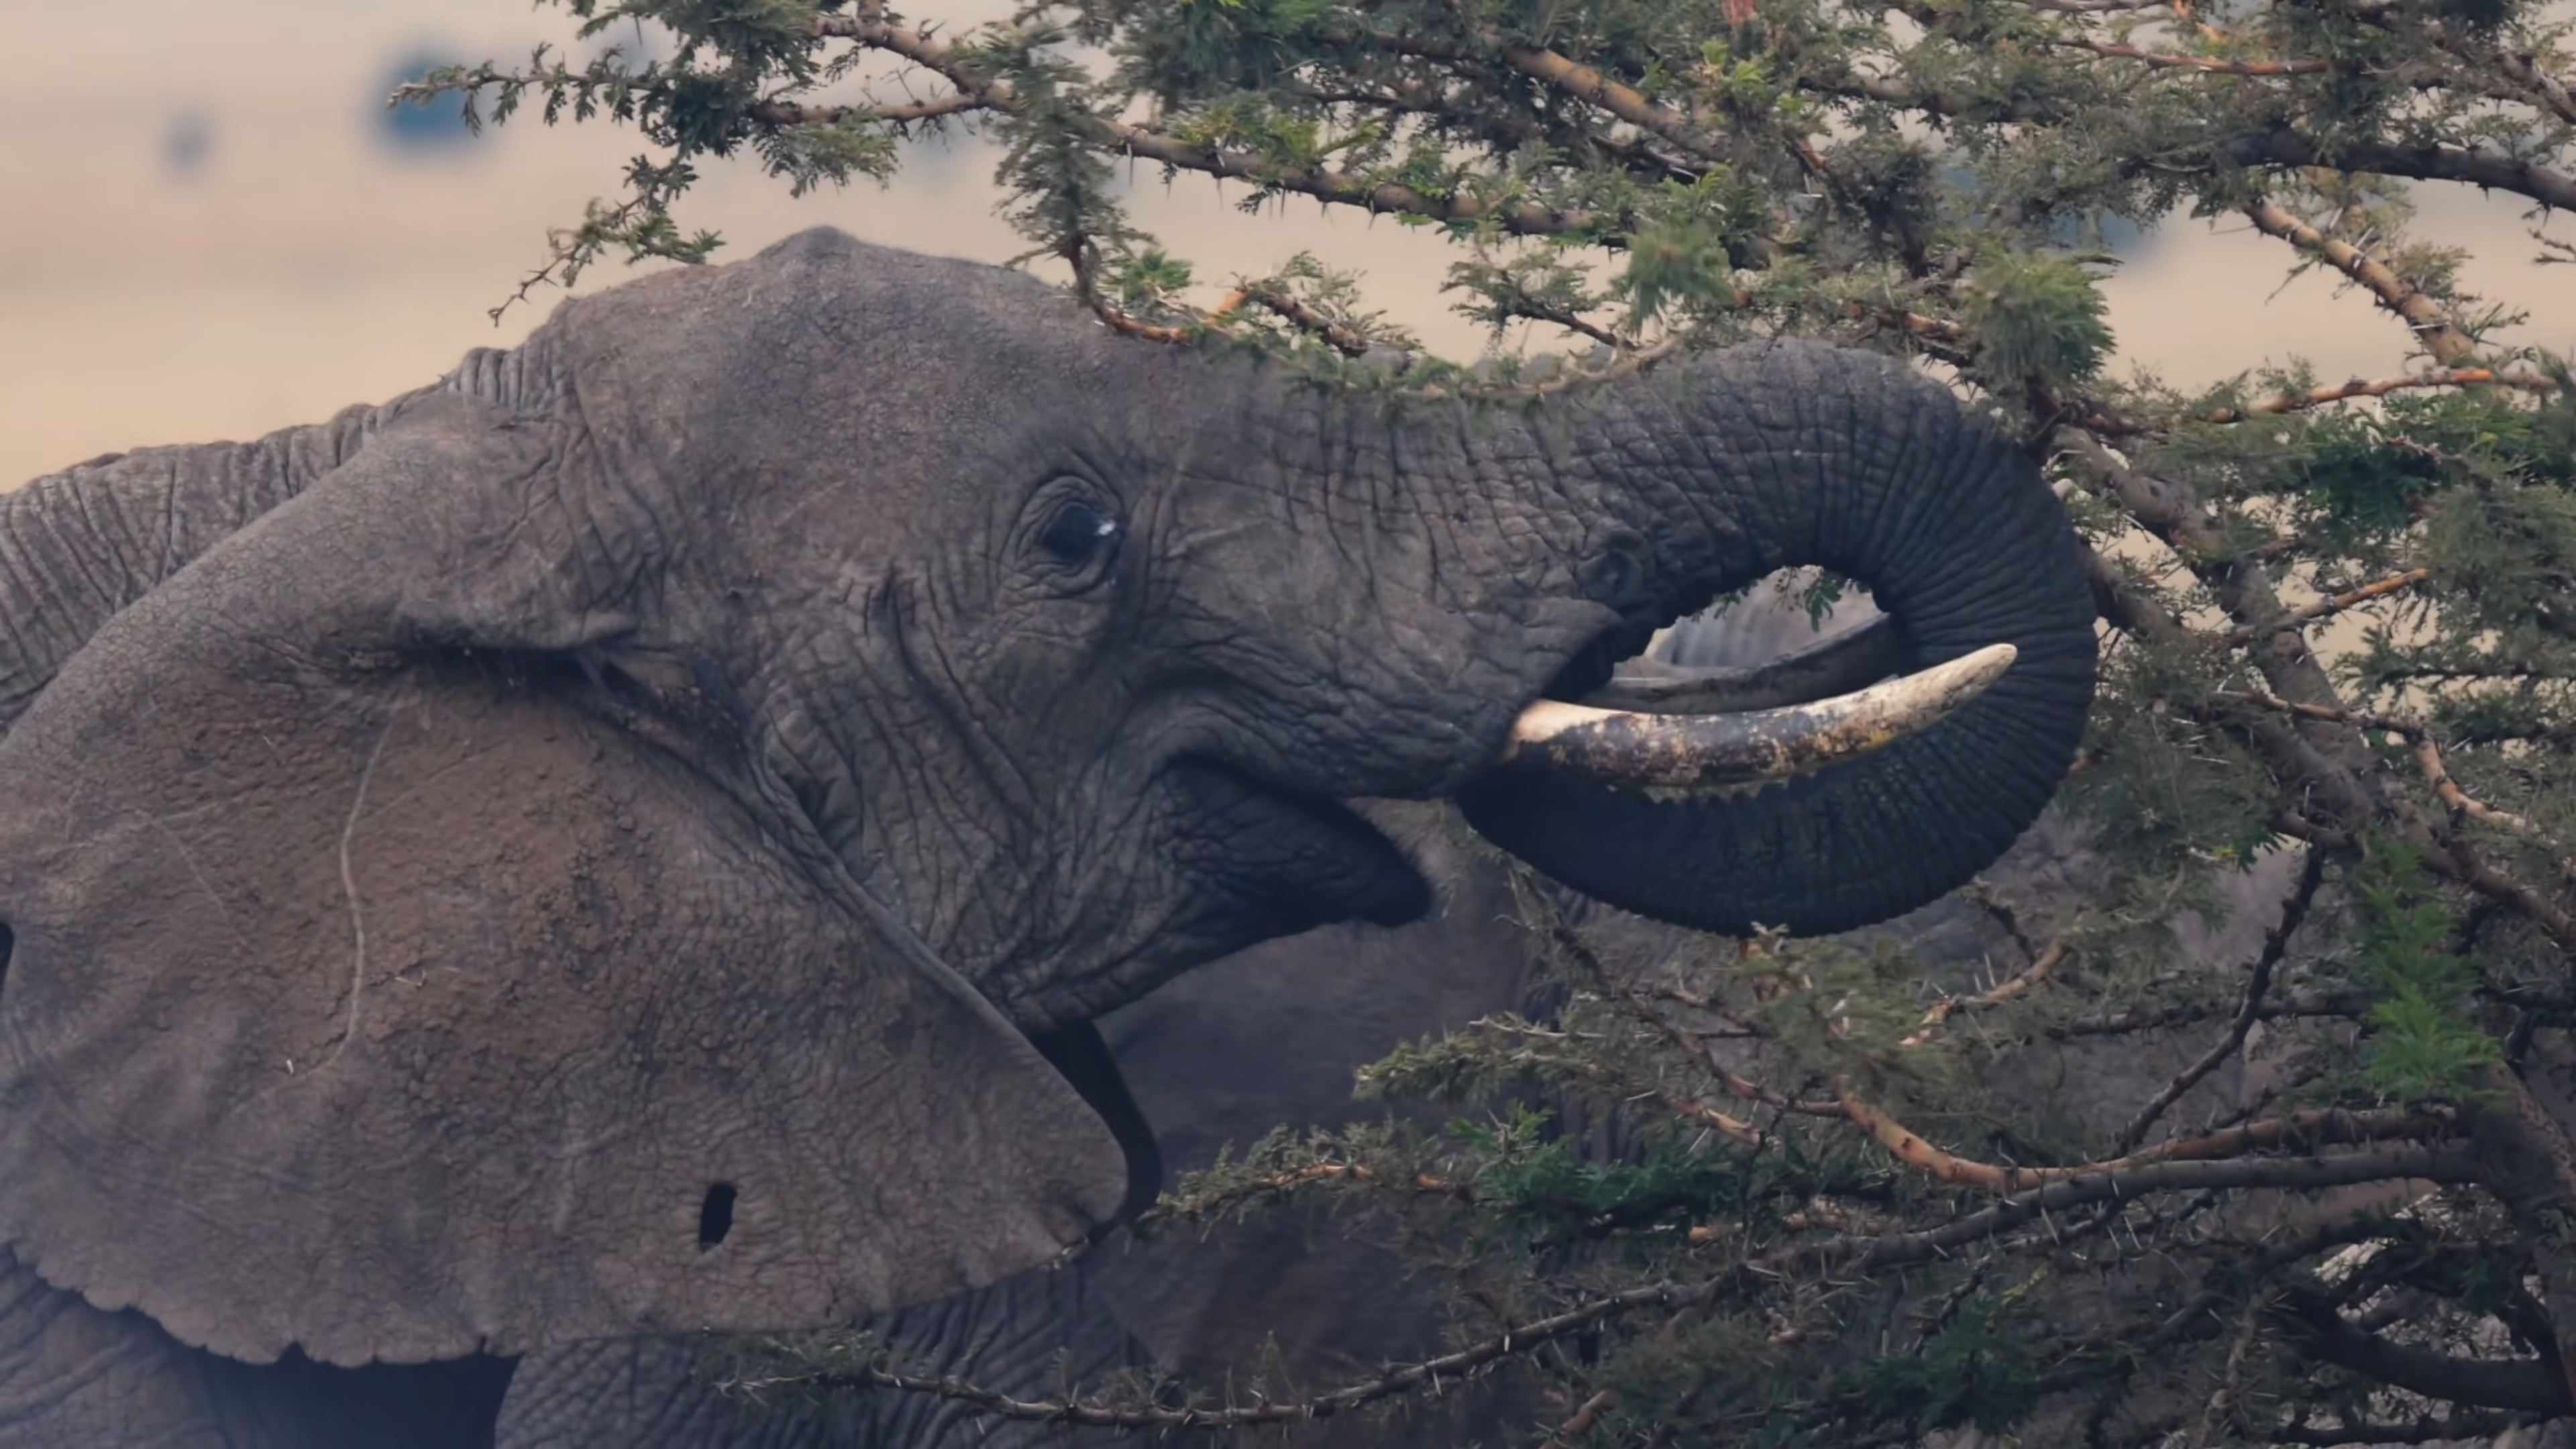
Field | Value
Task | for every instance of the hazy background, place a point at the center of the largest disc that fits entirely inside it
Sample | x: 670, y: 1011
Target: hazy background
x: 213, y: 228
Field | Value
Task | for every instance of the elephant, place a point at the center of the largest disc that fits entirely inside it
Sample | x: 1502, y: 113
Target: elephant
x: 635, y: 838
x: 1272, y: 1035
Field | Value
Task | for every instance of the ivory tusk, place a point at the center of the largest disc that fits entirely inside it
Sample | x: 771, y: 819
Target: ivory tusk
x: 1671, y: 751
x: 1839, y: 665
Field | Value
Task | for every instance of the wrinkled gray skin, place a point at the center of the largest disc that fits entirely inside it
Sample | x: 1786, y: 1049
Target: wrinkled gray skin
x: 632, y: 840
x: 1272, y: 1035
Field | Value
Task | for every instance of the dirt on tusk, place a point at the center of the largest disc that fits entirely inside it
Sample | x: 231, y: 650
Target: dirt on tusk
x: 1701, y: 751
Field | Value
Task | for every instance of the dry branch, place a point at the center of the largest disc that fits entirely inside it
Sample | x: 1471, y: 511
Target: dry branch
x: 2329, y: 607
x: 2276, y: 945
x: 2210, y: 64
x: 2433, y: 327
x: 792, y: 113
x: 2309, y: 1127
x: 2291, y: 402
x: 2429, y: 760
x: 2037, y: 971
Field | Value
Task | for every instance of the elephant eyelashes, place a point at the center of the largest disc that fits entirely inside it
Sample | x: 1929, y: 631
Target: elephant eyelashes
x: 1080, y: 535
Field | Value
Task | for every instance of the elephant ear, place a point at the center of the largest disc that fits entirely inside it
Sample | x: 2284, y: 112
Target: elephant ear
x: 376, y: 989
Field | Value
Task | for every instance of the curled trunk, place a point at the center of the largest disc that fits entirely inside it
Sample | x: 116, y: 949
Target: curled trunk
x: 1766, y: 457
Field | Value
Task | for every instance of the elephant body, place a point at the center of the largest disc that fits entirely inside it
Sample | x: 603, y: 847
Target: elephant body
x: 639, y: 839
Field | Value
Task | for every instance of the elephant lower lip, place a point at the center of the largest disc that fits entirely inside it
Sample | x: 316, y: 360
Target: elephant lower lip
x: 1311, y: 854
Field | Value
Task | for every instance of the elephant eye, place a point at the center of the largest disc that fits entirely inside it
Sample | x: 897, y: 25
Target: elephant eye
x: 1079, y: 534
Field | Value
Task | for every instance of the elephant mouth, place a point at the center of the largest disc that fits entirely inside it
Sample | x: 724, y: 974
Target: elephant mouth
x: 1673, y: 732
x: 1315, y: 856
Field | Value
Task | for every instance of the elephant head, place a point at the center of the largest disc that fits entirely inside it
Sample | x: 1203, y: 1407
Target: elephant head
x: 632, y: 840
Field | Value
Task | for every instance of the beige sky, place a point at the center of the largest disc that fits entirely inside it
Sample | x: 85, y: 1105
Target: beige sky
x: 303, y: 264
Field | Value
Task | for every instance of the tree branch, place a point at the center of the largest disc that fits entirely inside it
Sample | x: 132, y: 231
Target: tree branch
x: 2276, y: 944
x: 1320, y: 182
x: 2429, y: 760
x: 2528, y: 1385
x: 1941, y: 1166
x: 2037, y: 971
x: 2210, y: 64
x: 2287, y: 402
x: 2449, y: 345
x: 2329, y: 607
x: 1587, y: 83
x: 792, y: 113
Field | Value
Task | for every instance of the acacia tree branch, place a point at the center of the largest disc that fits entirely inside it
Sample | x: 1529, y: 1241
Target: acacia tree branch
x: 2331, y: 714
x: 2291, y: 402
x: 1207, y: 1206
x: 1323, y: 183
x: 1340, y: 335
x: 1326, y: 184
x: 2446, y: 1429
x: 2530, y: 1166
x: 793, y: 113
x: 2333, y: 764
x: 2210, y: 64
x: 2528, y: 1384
x: 2276, y: 944
x: 2225, y: 1401
x: 2441, y: 337
x: 2038, y: 970
x: 2429, y: 760
x: 2546, y: 89
x: 1587, y: 83
x: 2327, y: 608
x: 2452, y: 861
x: 2323, y: 1126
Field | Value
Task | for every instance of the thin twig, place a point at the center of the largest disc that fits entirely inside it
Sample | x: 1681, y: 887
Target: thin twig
x: 2429, y: 760
x: 2038, y: 970
x: 2230, y: 1384
x: 2291, y: 402
x: 2276, y: 945
x: 1340, y: 335
x: 793, y: 113
x: 2396, y: 724
x: 2329, y: 607
x: 2211, y: 64
x: 1943, y: 1166
x: 1584, y: 1417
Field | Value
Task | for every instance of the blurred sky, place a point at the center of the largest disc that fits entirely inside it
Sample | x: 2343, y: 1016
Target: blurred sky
x: 212, y: 228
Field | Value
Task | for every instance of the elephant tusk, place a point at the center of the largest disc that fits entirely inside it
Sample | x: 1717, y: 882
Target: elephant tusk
x: 1839, y: 665
x: 1668, y: 751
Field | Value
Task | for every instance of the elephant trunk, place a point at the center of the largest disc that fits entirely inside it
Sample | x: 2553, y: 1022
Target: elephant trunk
x: 78, y: 546
x: 1764, y: 457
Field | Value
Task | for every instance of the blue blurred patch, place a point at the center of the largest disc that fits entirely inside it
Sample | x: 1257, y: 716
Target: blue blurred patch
x: 439, y: 126
x: 187, y: 139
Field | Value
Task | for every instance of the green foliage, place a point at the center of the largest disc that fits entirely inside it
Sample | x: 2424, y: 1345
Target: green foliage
x: 2422, y: 1042
x: 2038, y: 316
x: 1972, y: 1373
